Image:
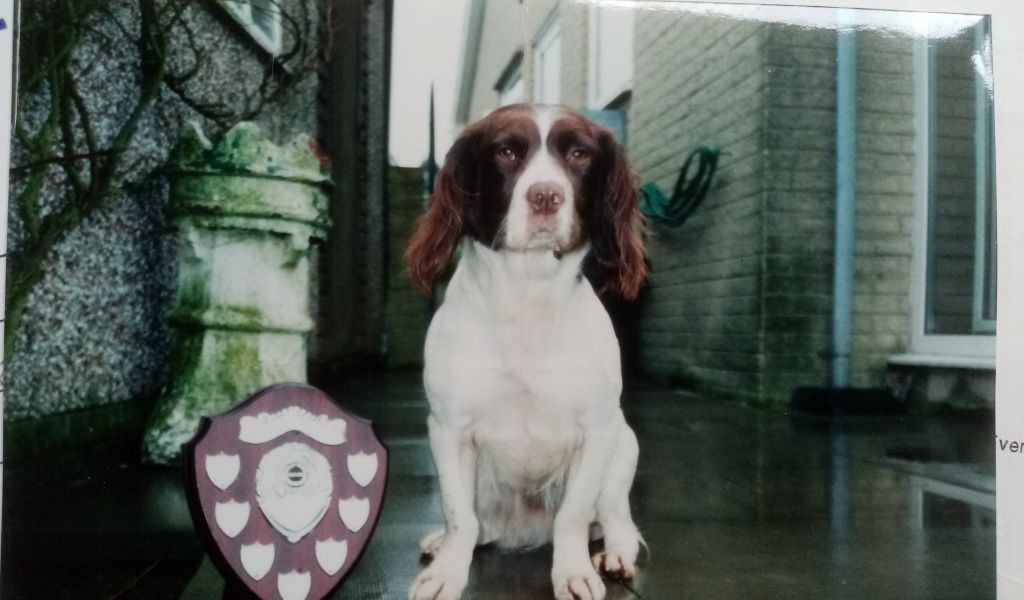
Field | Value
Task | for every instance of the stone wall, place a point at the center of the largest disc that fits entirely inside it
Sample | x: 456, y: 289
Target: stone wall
x: 94, y: 332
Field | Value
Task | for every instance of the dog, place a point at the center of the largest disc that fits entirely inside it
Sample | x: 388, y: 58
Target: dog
x: 522, y: 367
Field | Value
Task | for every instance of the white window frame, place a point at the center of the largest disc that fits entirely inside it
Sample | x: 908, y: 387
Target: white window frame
x: 597, y: 97
x: 982, y: 158
x: 921, y: 342
x: 243, y: 12
x: 542, y: 51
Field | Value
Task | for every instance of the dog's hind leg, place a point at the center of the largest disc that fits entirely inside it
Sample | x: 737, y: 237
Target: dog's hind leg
x: 621, y: 538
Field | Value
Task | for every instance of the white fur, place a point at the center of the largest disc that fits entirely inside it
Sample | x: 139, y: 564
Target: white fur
x: 523, y: 376
x: 542, y: 167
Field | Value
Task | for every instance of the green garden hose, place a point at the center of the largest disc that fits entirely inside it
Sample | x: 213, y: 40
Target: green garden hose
x: 687, y: 194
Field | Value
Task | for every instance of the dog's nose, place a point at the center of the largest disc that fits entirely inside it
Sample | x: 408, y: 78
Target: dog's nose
x: 545, y: 197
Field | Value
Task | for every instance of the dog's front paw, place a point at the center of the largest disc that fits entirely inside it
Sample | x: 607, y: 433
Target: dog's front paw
x: 438, y: 583
x: 614, y: 565
x: 579, y: 584
x: 431, y: 545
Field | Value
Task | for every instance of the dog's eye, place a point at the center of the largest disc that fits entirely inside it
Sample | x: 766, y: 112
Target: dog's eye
x: 507, y: 153
x: 578, y: 154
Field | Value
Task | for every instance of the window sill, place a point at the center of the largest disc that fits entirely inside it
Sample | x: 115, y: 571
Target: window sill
x: 945, y: 361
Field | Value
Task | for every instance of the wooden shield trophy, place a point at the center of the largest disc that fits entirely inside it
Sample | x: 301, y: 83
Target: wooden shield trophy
x: 287, y: 489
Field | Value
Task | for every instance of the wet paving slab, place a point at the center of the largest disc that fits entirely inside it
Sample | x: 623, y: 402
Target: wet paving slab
x: 733, y: 502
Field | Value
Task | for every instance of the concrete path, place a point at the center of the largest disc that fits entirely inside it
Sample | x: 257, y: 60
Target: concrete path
x: 733, y: 502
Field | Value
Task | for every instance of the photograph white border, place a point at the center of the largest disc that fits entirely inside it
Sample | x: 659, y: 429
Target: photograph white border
x: 1008, y: 55
x: 6, y: 103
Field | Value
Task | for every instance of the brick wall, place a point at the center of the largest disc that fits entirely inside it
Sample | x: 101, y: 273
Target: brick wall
x: 885, y: 204
x: 953, y: 187
x: 798, y: 150
x: 740, y: 298
x: 701, y: 316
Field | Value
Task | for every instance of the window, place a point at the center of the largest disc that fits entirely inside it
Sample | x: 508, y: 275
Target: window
x: 611, y: 54
x: 510, y: 84
x: 261, y: 19
x: 547, y: 66
x: 955, y: 257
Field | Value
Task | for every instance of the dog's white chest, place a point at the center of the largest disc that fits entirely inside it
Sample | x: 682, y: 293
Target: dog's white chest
x: 524, y: 440
x: 523, y: 368
x: 523, y: 371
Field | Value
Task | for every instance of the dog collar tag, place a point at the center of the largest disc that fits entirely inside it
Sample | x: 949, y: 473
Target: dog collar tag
x: 286, y: 490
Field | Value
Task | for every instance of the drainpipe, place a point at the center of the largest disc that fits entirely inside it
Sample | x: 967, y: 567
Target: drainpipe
x: 842, y: 288
x: 846, y: 171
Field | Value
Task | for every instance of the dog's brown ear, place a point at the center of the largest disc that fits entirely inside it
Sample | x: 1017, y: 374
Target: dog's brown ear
x: 616, y: 224
x: 439, y: 230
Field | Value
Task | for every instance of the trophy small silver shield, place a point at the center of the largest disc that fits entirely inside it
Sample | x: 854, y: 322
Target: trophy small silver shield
x: 286, y: 489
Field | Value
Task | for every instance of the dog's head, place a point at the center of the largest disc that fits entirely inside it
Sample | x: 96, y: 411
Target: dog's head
x: 535, y: 177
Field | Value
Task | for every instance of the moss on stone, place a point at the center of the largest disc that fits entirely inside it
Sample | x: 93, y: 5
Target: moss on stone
x: 209, y: 376
x: 246, y: 209
x: 244, y: 149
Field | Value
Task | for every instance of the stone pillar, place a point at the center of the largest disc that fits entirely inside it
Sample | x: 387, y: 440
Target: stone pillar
x: 246, y: 211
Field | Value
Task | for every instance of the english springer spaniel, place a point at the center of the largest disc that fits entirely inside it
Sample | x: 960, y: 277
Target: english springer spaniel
x: 522, y: 365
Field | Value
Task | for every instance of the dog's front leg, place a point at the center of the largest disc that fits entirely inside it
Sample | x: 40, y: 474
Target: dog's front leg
x: 455, y: 460
x: 572, y: 573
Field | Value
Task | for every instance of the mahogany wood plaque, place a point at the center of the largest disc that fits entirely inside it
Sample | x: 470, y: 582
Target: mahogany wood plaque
x: 286, y: 489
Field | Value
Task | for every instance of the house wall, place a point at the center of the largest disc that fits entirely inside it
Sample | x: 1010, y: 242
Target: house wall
x: 739, y: 302
x: 798, y: 147
x: 503, y: 32
x: 536, y: 15
x: 574, y: 17
x: 885, y: 204
x: 508, y: 27
x: 952, y: 260
x: 94, y: 332
x: 701, y: 315
x: 796, y: 143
